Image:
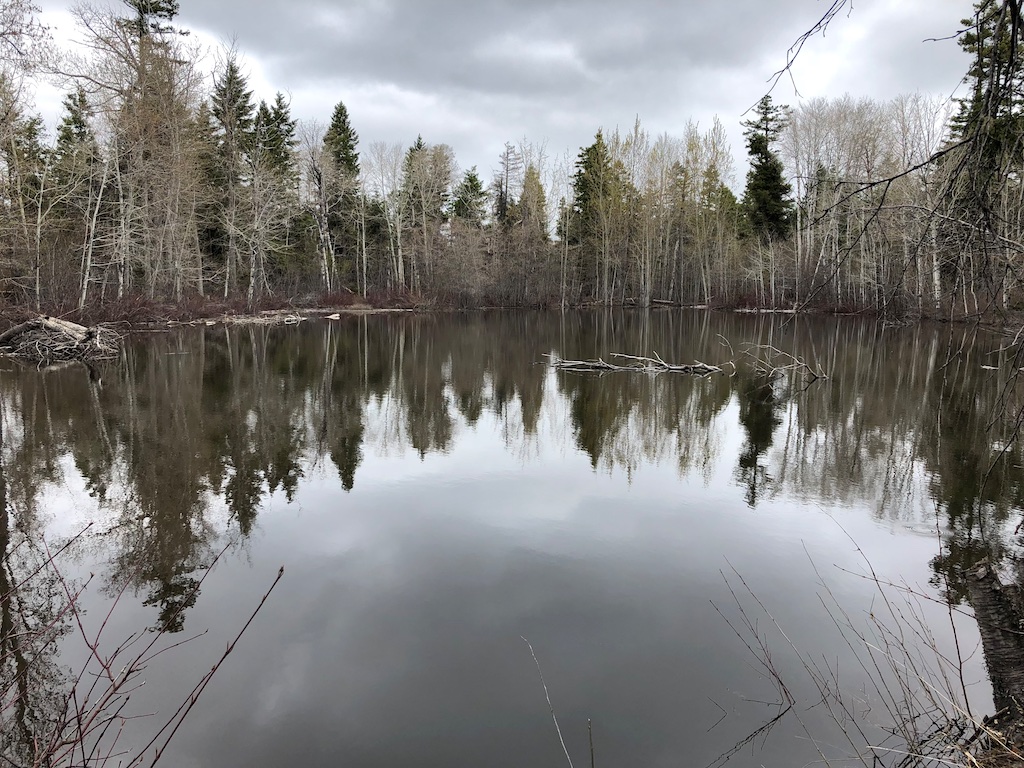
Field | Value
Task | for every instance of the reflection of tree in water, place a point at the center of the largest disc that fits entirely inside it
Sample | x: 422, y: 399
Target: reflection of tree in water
x: 759, y: 418
x: 342, y: 389
x: 228, y: 416
x: 224, y: 418
x: 161, y: 534
x: 31, y: 680
x: 598, y: 411
x: 626, y: 420
x: 976, y: 478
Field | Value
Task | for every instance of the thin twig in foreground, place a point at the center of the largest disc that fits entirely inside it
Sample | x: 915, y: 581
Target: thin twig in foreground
x: 548, y: 697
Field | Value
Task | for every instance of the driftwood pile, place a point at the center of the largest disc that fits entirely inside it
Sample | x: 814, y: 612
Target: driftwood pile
x: 47, y: 340
x: 635, y: 363
x: 773, y: 362
x: 768, y: 361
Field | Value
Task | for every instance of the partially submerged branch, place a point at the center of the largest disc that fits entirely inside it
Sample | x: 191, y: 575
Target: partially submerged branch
x: 772, y: 361
x: 767, y: 360
x: 636, y: 364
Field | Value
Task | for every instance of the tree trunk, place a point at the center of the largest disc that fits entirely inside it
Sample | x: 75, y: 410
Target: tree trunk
x: 997, y: 608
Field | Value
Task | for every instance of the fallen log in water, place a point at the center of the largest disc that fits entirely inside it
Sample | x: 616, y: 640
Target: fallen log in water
x: 637, y: 364
x: 49, y: 340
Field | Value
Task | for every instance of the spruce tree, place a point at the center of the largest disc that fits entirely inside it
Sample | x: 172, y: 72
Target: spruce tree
x: 151, y: 16
x: 533, y: 208
x: 232, y: 108
x: 210, y: 201
x: 990, y: 119
x: 470, y: 199
x: 591, y: 185
x: 74, y: 130
x: 341, y: 141
x: 601, y: 219
x: 26, y: 158
x: 767, y: 201
x: 344, y: 219
x: 424, y: 182
x: 995, y: 77
x: 273, y: 137
x: 75, y: 149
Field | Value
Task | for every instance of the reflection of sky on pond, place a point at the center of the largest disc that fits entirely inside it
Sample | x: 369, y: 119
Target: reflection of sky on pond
x: 395, y: 636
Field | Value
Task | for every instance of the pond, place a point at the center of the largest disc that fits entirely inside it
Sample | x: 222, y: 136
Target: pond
x: 455, y: 517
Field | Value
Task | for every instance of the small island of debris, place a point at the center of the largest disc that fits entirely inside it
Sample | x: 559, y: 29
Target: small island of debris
x: 46, y: 340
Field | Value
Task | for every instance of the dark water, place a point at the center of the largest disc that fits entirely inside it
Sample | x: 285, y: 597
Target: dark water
x: 436, y: 493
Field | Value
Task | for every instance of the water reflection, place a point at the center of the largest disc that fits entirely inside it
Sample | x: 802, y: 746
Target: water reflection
x: 193, y: 420
x: 29, y: 673
x: 185, y: 440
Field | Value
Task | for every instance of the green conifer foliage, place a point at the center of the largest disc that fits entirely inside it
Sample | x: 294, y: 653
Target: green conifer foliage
x: 232, y: 105
x: 470, y: 199
x: 151, y: 15
x: 341, y: 141
x: 990, y: 118
x: 593, y: 185
x: 76, y: 149
x: 767, y: 201
x: 533, y: 208
x: 995, y: 77
x: 273, y: 136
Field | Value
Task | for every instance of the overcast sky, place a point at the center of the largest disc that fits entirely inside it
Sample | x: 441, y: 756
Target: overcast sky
x: 477, y: 73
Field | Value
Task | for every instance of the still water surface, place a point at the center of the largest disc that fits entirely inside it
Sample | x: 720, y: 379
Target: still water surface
x: 436, y: 493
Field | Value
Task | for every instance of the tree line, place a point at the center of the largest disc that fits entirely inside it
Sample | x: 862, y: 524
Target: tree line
x: 165, y: 183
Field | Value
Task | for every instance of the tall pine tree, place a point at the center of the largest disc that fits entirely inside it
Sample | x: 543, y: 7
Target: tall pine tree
x: 767, y: 200
x: 347, y: 209
x: 341, y: 141
x: 470, y: 199
x: 233, y: 112
x: 273, y: 138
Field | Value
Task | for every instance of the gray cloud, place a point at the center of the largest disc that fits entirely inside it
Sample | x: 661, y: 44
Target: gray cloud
x: 477, y: 74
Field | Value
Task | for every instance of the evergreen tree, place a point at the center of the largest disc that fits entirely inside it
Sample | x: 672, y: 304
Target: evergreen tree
x: 272, y: 194
x: 601, y: 219
x: 592, y: 186
x: 26, y: 159
x: 767, y: 201
x: 426, y: 189
x: 341, y: 141
x: 79, y: 180
x: 418, y: 148
x: 273, y: 137
x: 75, y: 150
x: 427, y: 180
x: 232, y: 109
x: 74, y: 130
x: 470, y: 199
x: 212, y: 173
x: 345, y: 221
x: 533, y: 207
x: 995, y: 77
x: 990, y: 118
x: 769, y: 121
x: 511, y: 166
x: 151, y: 16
